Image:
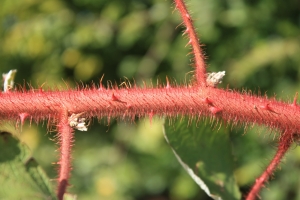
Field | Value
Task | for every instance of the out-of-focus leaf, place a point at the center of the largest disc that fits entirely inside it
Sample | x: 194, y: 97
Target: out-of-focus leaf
x: 205, y: 153
x: 68, y: 196
x: 20, y: 175
x: 261, y: 56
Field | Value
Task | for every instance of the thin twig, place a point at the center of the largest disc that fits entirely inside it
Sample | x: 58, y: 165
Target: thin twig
x: 200, y: 66
x: 65, y: 135
x: 285, y: 142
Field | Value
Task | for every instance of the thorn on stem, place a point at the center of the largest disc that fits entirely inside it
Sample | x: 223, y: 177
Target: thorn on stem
x: 23, y: 116
x: 189, y: 43
x: 114, y: 97
x: 267, y: 107
x: 215, y: 110
x: 207, y: 101
x: 295, y: 99
x: 128, y: 105
x: 188, y: 16
x: 41, y: 90
x: 185, y: 32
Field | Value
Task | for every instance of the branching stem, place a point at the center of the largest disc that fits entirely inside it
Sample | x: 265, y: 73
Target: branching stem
x: 200, y: 68
x: 65, y: 136
x: 284, y: 144
x: 198, y: 100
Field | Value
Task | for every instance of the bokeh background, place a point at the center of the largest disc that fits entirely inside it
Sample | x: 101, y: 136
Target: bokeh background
x: 55, y: 43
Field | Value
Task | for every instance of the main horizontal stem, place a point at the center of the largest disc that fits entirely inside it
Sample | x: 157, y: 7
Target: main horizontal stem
x: 129, y: 103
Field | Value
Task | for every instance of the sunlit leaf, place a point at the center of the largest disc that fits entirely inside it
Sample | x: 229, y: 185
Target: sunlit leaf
x: 20, y: 175
x: 205, y: 153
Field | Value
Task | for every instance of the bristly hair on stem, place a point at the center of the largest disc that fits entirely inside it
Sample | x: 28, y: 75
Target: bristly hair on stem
x: 199, y: 100
x: 285, y: 142
x: 200, y: 66
x: 65, y: 137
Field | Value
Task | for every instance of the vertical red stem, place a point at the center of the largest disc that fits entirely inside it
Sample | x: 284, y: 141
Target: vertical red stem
x: 284, y: 144
x: 200, y: 70
x: 65, y: 136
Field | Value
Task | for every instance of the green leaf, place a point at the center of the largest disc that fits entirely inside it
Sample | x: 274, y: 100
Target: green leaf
x: 205, y: 153
x: 20, y: 175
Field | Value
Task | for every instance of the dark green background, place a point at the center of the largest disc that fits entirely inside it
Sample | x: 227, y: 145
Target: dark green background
x: 55, y: 42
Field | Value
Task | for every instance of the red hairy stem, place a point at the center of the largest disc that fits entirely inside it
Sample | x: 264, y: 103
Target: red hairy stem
x: 285, y: 142
x: 129, y: 103
x: 200, y: 68
x: 65, y: 136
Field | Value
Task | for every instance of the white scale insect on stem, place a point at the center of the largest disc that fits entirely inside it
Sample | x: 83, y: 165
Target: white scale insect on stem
x: 9, y: 80
x: 214, y: 78
x: 78, y: 122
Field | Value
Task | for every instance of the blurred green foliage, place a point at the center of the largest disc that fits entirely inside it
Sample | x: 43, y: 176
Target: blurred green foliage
x: 59, y: 42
